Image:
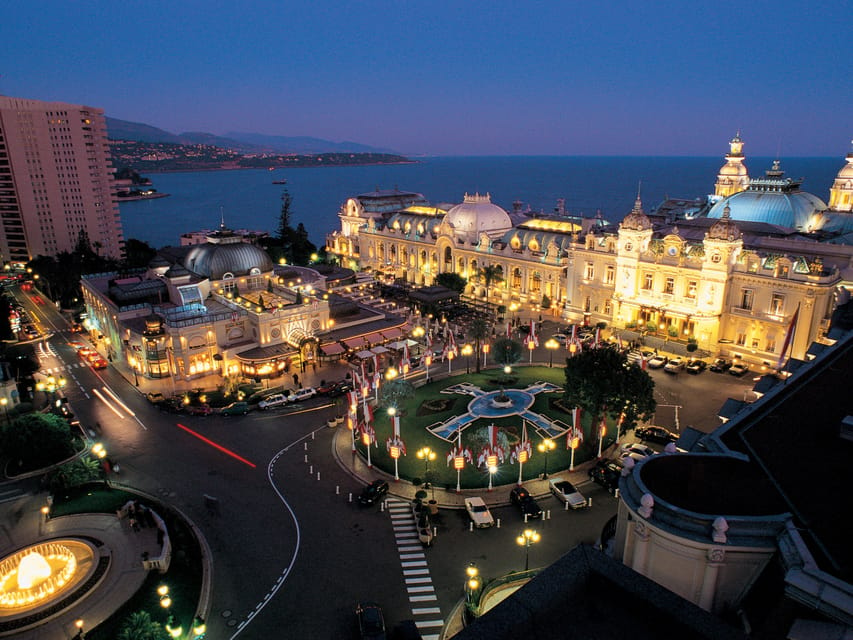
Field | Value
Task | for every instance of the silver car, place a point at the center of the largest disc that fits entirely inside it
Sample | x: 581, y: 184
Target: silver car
x: 567, y: 492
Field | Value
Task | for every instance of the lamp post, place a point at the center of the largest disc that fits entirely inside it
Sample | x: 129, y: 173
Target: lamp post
x: 450, y: 356
x: 551, y: 345
x: 544, y: 447
x: 427, y: 363
x: 573, y: 444
x: 5, y: 402
x: 426, y: 454
x: 394, y: 450
x: 527, y: 538
x: 467, y: 350
x: 79, y: 624
x: 473, y: 583
x: 486, y: 348
x: 530, y: 347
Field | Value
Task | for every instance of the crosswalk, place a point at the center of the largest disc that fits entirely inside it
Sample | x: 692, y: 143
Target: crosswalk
x: 65, y: 367
x: 419, y: 587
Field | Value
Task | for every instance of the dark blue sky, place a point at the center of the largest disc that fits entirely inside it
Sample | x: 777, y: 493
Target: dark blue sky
x: 454, y: 78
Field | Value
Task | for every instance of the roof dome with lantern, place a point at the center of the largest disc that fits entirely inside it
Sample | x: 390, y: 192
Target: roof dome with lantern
x: 637, y: 220
x: 478, y: 215
x: 226, y: 253
x: 724, y: 228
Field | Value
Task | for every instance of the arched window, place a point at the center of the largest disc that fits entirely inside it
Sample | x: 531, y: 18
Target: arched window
x: 515, y: 243
x: 533, y: 245
x: 536, y: 282
x: 408, y: 227
x: 392, y: 254
x: 516, y: 278
x: 448, y: 259
x: 382, y: 251
x: 460, y: 266
x: 228, y: 283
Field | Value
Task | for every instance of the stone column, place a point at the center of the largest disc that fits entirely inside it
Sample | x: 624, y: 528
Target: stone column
x: 641, y: 548
x: 716, y: 556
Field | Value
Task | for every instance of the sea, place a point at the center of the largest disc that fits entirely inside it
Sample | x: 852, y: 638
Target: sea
x: 248, y: 199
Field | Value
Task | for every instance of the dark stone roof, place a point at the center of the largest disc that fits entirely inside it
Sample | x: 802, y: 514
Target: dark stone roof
x: 212, y: 260
x: 587, y: 595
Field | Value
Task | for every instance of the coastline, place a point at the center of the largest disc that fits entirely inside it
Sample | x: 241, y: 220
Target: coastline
x: 277, y: 167
x: 152, y: 196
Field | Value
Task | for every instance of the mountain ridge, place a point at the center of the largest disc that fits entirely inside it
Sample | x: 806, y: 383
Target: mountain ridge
x: 246, y: 143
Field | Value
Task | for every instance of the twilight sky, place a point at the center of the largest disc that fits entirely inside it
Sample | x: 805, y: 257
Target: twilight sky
x: 453, y: 78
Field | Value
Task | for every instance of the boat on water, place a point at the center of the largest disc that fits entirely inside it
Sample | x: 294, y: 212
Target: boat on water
x: 281, y: 181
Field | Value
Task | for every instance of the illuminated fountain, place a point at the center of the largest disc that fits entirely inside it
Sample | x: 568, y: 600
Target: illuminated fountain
x: 41, y: 574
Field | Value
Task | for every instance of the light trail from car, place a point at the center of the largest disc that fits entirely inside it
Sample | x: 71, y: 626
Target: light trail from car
x: 217, y: 446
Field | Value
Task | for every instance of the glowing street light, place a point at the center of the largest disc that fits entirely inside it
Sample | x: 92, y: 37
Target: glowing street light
x: 544, y: 447
x: 467, y: 350
x: 473, y: 582
x: 486, y: 348
x: 79, y: 624
x: 165, y: 599
x: 527, y: 538
x: 391, y: 373
x: 5, y: 403
x: 551, y: 345
x: 427, y: 363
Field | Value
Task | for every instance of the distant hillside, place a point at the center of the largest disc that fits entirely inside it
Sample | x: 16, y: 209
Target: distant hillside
x: 303, y: 144
x: 247, y: 143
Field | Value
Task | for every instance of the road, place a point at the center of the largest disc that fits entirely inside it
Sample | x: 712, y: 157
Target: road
x: 290, y: 550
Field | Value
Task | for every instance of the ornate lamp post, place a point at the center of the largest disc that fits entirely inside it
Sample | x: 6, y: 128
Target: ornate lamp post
x: 426, y: 454
x: 551, y: 345
x: 531, y: 345
x: 544, y: 447
x: 473, y: 582
x: 486, y: 348
x: 79, y: 624
x: 427, y: 363
x: 467, y: 350
x: 527, y: 538
x: 574, y: 443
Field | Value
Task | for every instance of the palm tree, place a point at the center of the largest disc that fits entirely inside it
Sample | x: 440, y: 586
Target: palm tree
x: 140, y: 626
x: 478, y: 331
x: 490, y: 274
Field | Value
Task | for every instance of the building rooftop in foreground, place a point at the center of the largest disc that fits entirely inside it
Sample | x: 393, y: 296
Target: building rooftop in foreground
x: 586, y: 594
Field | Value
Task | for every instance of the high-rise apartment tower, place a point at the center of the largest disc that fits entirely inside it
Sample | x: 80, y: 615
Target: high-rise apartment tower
x: 56, y: 181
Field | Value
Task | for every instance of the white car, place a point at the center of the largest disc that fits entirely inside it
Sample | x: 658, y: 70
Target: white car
x: 559, y: 337
x: 275, y: 400
x: 567, y: 492
x: 479, y: 513
x: 636, y: 451
x: 656, y: 362
x: 674, y: 365
x: 302, y: 394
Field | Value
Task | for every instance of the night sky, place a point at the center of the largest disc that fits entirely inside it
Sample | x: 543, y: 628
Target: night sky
x: 453, y: 78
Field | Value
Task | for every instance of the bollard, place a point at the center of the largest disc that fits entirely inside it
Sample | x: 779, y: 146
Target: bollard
x: 382, y: 506
x: 311, y: 469
x: 566, y: 506
x: 548, y: 514
x: 337, y: 489
x: 589, y: 502
x: 305, y: 446
x: 525, y: 518
x: 350, y: 497
x: 318, y: 476
x: 470, y: 526
x: 306, y: 457
x: 435, y: 532
x: 498, y: 523
x: 616, y: 493
x: 312, y: 435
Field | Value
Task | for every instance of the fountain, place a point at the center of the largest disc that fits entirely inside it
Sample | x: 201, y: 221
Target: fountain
x: 501, y: 400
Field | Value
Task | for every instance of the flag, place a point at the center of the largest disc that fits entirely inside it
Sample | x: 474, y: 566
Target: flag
x: 395, y: 440
x: 597, y: 336
x: 531, y: 335
x: 492, y: 449
x: 524, y: 446
x: 450, y: 346
x: 789, y: 335
x: 458, y: 451
x: 577, y: 431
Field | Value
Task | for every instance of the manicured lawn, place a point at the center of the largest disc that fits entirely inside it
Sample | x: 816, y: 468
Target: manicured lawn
x: 416, y: 418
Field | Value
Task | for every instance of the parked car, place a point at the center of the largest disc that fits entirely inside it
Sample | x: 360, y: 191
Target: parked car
x: 655, y: 434
x: 371, y: 622
x: 199, y: 409
x: 606, y: 473
x: 521, y: 498
x: 720, y: 365
x: 567, y: 492
x: 657, y: 361
x: 298, y: 395
x: 694, y: 366
x: 739, y: 369
x: 342, y: 387
x: 155, y: 398
x: 373, y: 492
x: 99, y: 363
x: 235, y: 409
x: 479, y: 513
x: 674, y: 365
x: 559, y: 337
x: 275, y: 400
x: 636, y: 451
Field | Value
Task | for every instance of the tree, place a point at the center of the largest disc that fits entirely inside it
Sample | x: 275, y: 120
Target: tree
x: 301, y: 247
x: 138, y: 253
x: 37, y: 440
x: 284, y: 228
x: 451, y: 280
x: 506, y: 352
x: 546, y: 302
x: 490, y: 274
x: 74, y: 473
x: 140, y: 626
x: 392, y: 393
x: 478, y: 331
x: 602, y: 382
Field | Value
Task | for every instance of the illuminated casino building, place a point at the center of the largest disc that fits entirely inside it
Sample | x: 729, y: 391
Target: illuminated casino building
x: 729, y: 276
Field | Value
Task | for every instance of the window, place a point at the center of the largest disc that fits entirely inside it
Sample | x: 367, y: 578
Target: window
x: 610, y: 274
x: 608, y: 307
x: 755, y: 343
x: 587, y: 304
x: 692, y: 285
x: 770, y: 347
x: 589, y: 272
x: 648, y: 281
x: 741, y: 339
x: 777, y: 304
x: 746, y: 298
x: 669, y: 285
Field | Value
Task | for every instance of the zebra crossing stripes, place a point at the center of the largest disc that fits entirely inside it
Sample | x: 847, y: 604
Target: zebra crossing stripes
x: 419, y: 587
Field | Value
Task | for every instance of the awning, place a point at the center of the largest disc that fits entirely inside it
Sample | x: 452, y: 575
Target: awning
x: 331, y: 349
x: 375, y: 338
x: 354, y: 343
x: 398, y: 346
x: 379, y: 350
x: 393, y: 333
x: 364, y: 355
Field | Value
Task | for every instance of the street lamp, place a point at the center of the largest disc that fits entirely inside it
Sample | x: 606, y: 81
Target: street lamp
x: 544, y: 447
x: 427, y: 363
x: 472, y: 583
x: 79, y: 624
x: 5, y: 403
x: 527, y: 538
x: 426, y: 454
x: 391, y: 373
x: 551, y: 344
x: 486, y: 348
x: 165, y: 599
x: 467, y: 350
